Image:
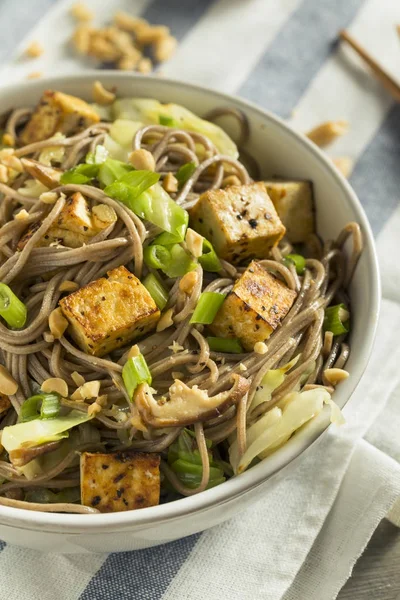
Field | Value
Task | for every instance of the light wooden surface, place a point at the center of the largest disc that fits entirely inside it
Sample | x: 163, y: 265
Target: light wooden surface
x: 376, y: 575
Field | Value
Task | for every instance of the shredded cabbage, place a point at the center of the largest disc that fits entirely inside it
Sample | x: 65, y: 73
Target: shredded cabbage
x: 148, y: 111
x: 276, y: 426
x: 270, y: 382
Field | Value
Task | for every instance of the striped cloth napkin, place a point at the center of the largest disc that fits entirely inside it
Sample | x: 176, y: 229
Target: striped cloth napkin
x: 303, y: 539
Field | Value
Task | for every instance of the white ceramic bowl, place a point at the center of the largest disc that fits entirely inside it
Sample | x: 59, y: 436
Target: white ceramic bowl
x: 280, y: 151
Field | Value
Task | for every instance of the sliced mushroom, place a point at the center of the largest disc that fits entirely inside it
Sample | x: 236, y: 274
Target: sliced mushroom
x: 49, y: 176
x: 21, y: 456
x: 186, y: 405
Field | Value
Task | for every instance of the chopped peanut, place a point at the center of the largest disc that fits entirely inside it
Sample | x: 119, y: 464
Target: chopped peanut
x: 170, y: 183
x: 81, y: 39
x: 164, y: 48
x: 12, y: 162
x: 55, y: 384
x: 128, y: 62
x: 134, y: 351
x: 230, y: 180
x: 165, y: 320
x: 194, y: 242
x: 335, y: 376
x: 326, y: 133
x: 344, y: 164
x: 328, y: 340
x: 34, y: 75
x: 8, y: 139
x: 94, y: 409
x: 81, y: 12
x: 48, y: 197
x: 103, y: 49
x: 142, y: 160
x: 3, y: 174
x: 34, y: 50
x: 101, y: 95
x: 144, y: 65
x: 8, y: 385
x: 57, y: 323
x: 152, y: 34
x: 260, y: 348
x: 77, y: 378
x: 132, y: 24
x: 68, y: 286
x: 188, y: 282
x: 48, y: 337
x: 21, y: 215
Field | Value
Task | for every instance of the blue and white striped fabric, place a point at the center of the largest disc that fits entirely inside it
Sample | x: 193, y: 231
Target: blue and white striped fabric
x: 303, y: 539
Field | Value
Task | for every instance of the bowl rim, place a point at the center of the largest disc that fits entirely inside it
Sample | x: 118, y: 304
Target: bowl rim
x: 254, y: 477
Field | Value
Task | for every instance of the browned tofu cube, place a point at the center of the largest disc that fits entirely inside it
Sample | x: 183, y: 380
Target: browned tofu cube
x: 255, y: 307
x: 58, y: 112
x: 75, y: 225
x: 294, y: 204
x: 5, y: 404
x: 240, y: 221
x: 110, y: 312
x: 120, y: 480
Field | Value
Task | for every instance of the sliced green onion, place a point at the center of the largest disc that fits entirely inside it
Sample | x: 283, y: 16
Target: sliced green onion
x: 337, y: 319
x: 51, y: 405
x: 168, y: 121
x: 82, y: 173
x: 185, y: 460
x: 12, y: 309
x: 43, y: 406
x: 135, y: 372
x: 207, y: 307
x: 46, y: 496
x: 181, y: 262
x: 297, y: 260
x: 98, y: 156
x: 209, y: 259
x: 228, y: 345
x: 157, y: 257
x: 112, y: 170
x: 156, y: 290
x: 185, y: 172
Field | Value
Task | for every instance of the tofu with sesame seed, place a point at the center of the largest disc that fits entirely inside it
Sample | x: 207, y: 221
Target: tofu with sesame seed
x: 119, y: 481
x: 75, y: 225
x: 240, y: 221
x: 58, y: 112
x: 294, y: 204
x: 254, y: 308
x: 110, y: 312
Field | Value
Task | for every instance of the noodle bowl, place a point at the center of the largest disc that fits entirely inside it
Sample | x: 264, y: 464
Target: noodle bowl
x: 299, y: 348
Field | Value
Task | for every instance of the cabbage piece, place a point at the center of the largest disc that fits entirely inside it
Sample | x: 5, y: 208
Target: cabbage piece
x: 299, y: 407
x: 38, y: 431
x: 149, y: 111
x: 254, y: 432
x: 270, y: 382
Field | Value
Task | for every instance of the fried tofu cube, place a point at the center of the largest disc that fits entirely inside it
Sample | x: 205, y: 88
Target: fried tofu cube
x: 294, y: 204
x: 110, y: 312
x: 254, y: 308
x: 75, y: 225
x: 120, y: 480
x: 240, y: 221
x: 58, y: 112
x: 5, y: 404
